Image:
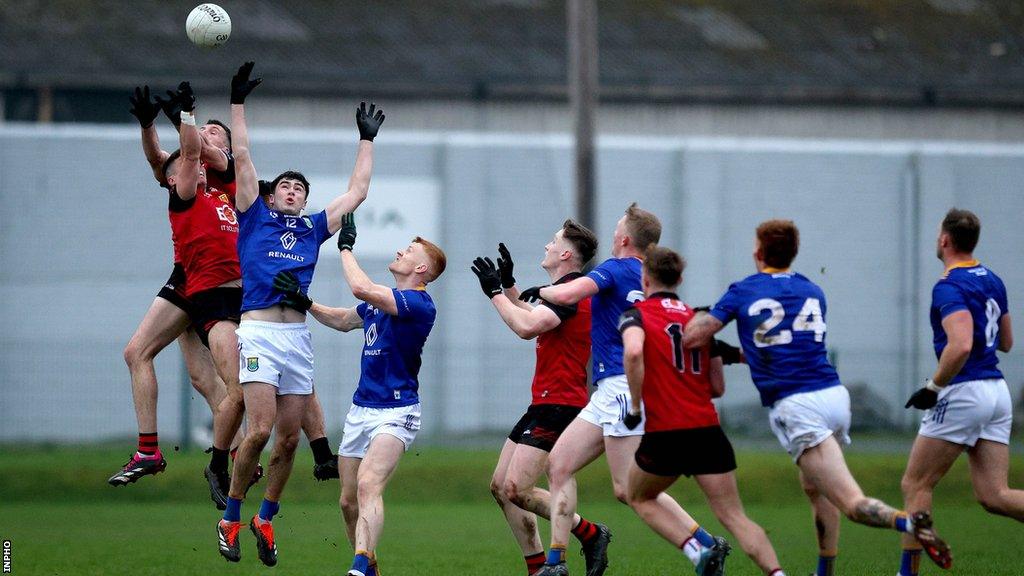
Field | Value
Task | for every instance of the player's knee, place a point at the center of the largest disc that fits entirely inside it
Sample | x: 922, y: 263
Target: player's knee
x: 558, y: 472
x: 133, y: 353
x: 515, y: 493
x: 367, y: 489
x: 498, y: 490
x: 288, y: 442
x: 622, y: 494
x: 349, y: 503
x: 259, y: 433
x: 992, y: 502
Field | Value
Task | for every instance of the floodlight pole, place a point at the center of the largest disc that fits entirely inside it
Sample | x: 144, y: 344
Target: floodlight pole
x: 583, y: 84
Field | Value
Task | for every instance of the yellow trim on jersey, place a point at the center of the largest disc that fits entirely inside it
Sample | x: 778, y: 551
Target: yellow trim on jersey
x: 967, y: 264
x: 770, y: 270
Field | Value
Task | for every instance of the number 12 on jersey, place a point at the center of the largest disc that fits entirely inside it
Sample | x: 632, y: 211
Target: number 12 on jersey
x: 809, y: 319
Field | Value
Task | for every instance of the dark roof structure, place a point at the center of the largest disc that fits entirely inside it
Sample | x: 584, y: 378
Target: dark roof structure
x: 904, y: 52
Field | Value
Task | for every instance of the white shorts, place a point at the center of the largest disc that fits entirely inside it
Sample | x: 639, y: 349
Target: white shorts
x: 608, y: 405
x: 277, y: 354
x: 969, y: 411
x: 363, y: 424
x: 806, y: 419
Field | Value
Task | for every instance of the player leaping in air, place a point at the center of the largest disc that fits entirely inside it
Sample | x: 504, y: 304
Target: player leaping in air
x: 559, y: 391
x: 780, y: 318
x: 967, y: 403
x: 682, y: 434
x: 275, y: 354
x: 385, y: 414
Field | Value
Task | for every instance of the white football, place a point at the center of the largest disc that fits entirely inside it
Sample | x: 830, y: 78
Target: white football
x: 208, y: 26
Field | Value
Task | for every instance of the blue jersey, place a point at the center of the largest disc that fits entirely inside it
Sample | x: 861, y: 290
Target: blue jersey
x: 270, y: 242
x: 392, y: 349
x: 972, y: 287
x: 618, y: 287
x: 780, y: 318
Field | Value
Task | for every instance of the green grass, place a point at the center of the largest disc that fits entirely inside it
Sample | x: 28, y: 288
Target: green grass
x: 440, y: 519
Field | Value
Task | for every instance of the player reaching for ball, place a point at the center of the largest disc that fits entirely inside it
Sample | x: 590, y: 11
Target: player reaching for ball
x: 274, y: 355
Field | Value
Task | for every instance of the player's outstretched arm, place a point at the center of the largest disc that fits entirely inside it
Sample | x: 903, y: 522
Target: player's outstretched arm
x: 1005, y: 334
x: 376, y: 295
x: 247, y: 188
x: 526, y: 323
x: 145, y: 111
x: 187, y: 176
x: 343, y: 319
x: 368, y: 122
x: 508, y: 281
x: 633, y: 337
x: 566, y: 294
x: 700, y: 329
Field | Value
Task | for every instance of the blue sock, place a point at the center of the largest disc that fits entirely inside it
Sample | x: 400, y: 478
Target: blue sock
x: 233, y: 513
x: 361, y: 562
x: 706, y: 540
x: 268, y: 509
x: 910, y: 562
x: 825, y: 565
x: 556, y: 556
x: 902, y: 523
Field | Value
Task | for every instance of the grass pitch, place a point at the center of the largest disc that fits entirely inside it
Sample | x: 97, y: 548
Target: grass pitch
x: 63, y: 519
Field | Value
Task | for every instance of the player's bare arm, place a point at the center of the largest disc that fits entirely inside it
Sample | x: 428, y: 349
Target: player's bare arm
x: 342, y: 319
x: 566, y: 294
x: 145, y: 111
x: 633, y: 363
x: 1005, y: 334
x: 187, y: 176
x: 247, y: 188
x: 527, y: 323
x: 376, y: 295
x: 959, y: 327
x: 700, y: 329
x: 368, y: 122
x: 717, y: 378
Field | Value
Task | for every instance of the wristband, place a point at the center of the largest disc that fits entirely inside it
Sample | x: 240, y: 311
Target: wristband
x: 188, y: 118
x: 933, y: 386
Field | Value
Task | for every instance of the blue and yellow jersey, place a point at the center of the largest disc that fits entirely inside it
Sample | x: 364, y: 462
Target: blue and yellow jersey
x: 972, y: 287
x: 392, y: 350
x: 780, y: 319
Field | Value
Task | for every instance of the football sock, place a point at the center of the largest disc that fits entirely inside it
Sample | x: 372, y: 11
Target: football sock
x: 902, y: 522
x: 267, y: 510
x: 777, y: 572
x: 826, y: 565
x: 706, y: 540
x: 692, y: 548
x: 219, y: 460
x: 321, y: 450
x: 556, y: 555
x: 148, y: 444
x: 361, y: 562
x: 910, y: 562
x: 233, y: 513
x: 371, y: 570
x: 584, y: 531
x: 534, y: 562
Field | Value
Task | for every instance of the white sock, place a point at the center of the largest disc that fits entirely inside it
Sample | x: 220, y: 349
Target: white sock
x: 692, y: 549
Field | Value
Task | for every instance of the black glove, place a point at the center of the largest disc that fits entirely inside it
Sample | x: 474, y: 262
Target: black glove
x: 241, y: 85
x: 144, y: 110
x: 729, y: 353
x: 185, y: 97
x: 293, y: 297
x: 532, y: 294
x: 505, y: 265
x: 631, y: 420
x: 170, y: 107
x: 368, y: 122
x: 347, y: 234
x: 923, y: 399
x: 490, y: 279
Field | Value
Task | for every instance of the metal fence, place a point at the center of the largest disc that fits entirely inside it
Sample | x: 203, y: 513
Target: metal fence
x: 86, y: 245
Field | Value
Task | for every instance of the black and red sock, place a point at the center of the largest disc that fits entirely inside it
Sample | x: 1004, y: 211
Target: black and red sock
x: 534, y: 562
x: 148, y: 443
x: 585, y: 531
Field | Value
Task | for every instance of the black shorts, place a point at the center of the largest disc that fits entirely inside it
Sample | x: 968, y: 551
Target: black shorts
x: 542, y: 424
x: 212, y: 306
x: 689, y: 452
x: 174, y: 290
